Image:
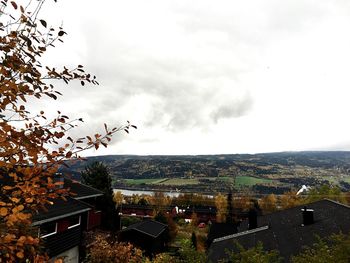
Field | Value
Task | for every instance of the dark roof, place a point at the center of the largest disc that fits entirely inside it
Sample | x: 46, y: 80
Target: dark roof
x: 81, y: 191
x: 284, y: 232
x: 60, y: 209
x: 220, y: 230
x: 148, y: 227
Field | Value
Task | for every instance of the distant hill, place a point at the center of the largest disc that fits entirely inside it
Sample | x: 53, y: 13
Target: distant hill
x: 287, y: 168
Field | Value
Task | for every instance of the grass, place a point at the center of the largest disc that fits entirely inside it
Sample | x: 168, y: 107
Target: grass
x: 180, y: 181
x: 145, y: 181
x: 336, y: 179
x: 240, y: 181
x: 225, y: 178
x: 250, y: 181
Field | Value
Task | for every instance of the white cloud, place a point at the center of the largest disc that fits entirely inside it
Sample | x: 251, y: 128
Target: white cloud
x: 210, y: 77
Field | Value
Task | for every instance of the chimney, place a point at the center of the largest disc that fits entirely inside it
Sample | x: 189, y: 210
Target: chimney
x: 308, y: 216
x: 252, y: 219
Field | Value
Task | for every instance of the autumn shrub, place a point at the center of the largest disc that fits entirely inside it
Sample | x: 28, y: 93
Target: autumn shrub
x: 334, y: 249
x: 252, y: 255
x: 103, y: 251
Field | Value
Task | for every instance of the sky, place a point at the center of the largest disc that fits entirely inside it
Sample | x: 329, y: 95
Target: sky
x: 207, y: 77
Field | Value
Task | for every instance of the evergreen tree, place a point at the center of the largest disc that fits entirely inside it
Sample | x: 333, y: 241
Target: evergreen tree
x: 97, y: 175
x: 194, y: 240
x: 229, y: 216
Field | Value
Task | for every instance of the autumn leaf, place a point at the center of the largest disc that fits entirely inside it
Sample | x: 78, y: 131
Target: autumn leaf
x: 43, y: 22
x: 14, y: 4
x: 20, y: 254
x: 3, y: 211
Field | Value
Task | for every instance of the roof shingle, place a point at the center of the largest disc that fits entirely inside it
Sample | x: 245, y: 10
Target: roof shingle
x: 284, y: 231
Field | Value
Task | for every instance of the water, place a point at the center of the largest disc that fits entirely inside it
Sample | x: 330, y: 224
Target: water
x: 145, y: 192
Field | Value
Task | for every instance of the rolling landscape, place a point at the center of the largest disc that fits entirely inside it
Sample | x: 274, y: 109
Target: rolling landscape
x: 174, y: 131
x: 256, y: 173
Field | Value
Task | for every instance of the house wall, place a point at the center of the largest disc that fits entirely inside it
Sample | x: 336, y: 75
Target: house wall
x: 62, y: 241
x: 94, y: 219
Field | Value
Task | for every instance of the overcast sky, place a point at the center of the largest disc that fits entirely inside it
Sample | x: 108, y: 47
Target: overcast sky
x: 209, y: 77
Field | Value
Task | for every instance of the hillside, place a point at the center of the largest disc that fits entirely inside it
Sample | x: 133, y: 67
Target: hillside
x: 261, y: 173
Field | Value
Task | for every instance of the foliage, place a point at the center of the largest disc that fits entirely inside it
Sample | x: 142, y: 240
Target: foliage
x: 244, y: 202
x: 229, y: 216
x: 194, y: 220
x: 163, y: 258
x: 252, y: 255
x: 160, y: 200
x: 161, y: 217
x: 189, y: 199
x: 189, y: 254
x: 172, y: 226
x: 118, y: 199
x: 97, y: 175
x: 268, y: 203
x: 103, y: 251
x: 333, y: 249
x: 290, y: 199
x: 32, y: 146
x: 194, y: 240
x: 221, y: 206
x: 326, y: 191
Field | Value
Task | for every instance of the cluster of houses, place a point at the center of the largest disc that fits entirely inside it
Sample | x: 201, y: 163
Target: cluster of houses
x: 288, y: 231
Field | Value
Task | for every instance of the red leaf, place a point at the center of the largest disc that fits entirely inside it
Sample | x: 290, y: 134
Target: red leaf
x: 14, y: 4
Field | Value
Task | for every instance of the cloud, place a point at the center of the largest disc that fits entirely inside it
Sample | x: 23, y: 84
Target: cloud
x: 234, y: 109
x: 180, y: 68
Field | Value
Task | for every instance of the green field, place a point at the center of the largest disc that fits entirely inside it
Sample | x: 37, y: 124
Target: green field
x: 240, y: 181
x: 180, y: 181
x: 336, y: 179
x: 225, y: 178
x: 250, y: 181
x: 145, y: 181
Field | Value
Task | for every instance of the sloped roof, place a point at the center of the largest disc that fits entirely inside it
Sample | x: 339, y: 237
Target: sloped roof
x: 60, y: 209
x: 148, y: 227
x: 284, y: 232
x: 81, y: 191
x: 220, y: 230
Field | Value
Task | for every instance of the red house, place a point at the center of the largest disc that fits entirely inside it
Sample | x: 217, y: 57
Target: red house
x: 61, y: 226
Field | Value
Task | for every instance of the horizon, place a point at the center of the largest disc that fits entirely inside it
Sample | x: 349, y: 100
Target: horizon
x: 212, y: 154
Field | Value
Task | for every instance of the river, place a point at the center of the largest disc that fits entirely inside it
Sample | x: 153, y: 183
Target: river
x: 145, y: 192
x: 128, y: 192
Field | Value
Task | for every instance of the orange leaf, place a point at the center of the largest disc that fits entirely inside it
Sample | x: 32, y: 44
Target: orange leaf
x: 15, y: 199
x: 3, y: 211
x: 20, y: 254
x: 20, y: 207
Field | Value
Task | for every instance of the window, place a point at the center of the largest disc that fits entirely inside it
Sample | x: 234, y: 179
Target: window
x: 48, y: 229
x: 74, y: 221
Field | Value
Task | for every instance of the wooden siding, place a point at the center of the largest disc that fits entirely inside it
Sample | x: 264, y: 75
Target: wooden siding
x: 62, y: 241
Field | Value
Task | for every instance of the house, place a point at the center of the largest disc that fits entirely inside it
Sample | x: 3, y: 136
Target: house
x: 149, y: 235
x: 218, y: 230
x: 89, y: 195
x: 287, y: 231
x: 61, y: 226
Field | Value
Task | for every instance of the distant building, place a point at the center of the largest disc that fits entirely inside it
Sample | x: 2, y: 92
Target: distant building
x: 287, y: 231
